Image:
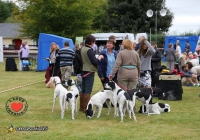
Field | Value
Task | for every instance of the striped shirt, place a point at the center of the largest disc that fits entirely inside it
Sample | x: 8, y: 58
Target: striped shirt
x: 66, y: 56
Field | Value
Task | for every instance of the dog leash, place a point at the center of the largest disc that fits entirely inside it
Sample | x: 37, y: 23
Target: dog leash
x: 86, y: 74
x: 53, y: 69
x: 122, y: 86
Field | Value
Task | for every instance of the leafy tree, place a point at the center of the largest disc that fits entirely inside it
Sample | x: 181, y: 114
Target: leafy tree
x: 68, y: 18
x: 5, y: 10
x: 14, y: 12
x: 130, y: 16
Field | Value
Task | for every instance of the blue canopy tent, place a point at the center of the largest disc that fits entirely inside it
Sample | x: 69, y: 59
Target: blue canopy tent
x: 45, y: 41
x: 193, y: 40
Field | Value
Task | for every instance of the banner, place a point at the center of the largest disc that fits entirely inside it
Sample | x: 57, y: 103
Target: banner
x: 1, y: 49
x: 79, y: 40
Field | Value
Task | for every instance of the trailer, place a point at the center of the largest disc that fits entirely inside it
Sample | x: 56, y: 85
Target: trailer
x: 101, y: 38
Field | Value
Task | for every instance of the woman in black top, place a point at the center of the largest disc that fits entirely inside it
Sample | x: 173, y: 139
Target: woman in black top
x: 155, y: 64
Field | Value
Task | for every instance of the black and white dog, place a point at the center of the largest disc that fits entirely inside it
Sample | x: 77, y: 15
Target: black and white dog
x: 123, y: 99
x: 143, y: 94
x: 63, y: 94
x: 97, y: 101
x: 75, y: 91
x: 156, y: 108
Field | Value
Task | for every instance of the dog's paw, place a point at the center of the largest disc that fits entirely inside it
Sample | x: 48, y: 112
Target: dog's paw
x: 107, y: 113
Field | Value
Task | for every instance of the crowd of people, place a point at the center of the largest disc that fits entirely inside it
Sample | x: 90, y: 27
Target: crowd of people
x: 132, y: 66
x: 129, y: 67
x: 187, y: 62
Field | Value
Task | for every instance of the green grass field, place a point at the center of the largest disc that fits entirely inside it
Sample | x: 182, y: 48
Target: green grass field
x: 183, y: 122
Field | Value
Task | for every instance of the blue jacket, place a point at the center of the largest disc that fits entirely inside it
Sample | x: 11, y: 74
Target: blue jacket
x: 104, y: 63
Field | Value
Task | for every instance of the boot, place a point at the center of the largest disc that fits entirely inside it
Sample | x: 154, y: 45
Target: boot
x: 86, y: 100
x: 81, y: 101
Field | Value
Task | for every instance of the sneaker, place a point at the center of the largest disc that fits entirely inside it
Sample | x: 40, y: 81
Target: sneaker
x: 194, y: 85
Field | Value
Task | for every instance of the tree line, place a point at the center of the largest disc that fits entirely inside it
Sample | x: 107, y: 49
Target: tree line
x: 71, y: 18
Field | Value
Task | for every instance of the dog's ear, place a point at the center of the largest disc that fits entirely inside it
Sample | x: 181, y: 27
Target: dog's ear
x: 89, y: 107
x: 166, y: 110
x: 69, y: 82
x: 112, y: 85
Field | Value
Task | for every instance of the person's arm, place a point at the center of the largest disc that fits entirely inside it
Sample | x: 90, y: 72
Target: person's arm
x: 187, y: 74
x: 101, y: 65
x: 138, y: 66
x: 152, y: 50
x: 20, y: 50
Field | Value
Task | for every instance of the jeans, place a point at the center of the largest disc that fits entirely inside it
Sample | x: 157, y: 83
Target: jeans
x: 87, y: 83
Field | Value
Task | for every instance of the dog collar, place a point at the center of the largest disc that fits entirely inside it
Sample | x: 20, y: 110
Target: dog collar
x: 58, y: 83
x: 107, y: 89
x: 119, y: 91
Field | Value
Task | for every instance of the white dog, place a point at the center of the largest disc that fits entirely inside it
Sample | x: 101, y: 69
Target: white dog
x: 156, y: 108
x: 123, y: 99
x: 97, y: 100
x: 63, y: 95
x: 75, y: 91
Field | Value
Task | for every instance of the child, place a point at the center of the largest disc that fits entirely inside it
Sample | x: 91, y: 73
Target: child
x: 190, y: 76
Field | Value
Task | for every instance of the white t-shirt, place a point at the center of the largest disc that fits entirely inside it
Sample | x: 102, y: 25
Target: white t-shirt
x: 178, y: 50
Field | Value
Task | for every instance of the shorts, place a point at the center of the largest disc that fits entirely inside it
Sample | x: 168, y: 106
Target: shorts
x: 145, y: 79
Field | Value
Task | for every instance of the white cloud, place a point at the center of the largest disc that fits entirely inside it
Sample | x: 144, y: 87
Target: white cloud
x: 186, y: 15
